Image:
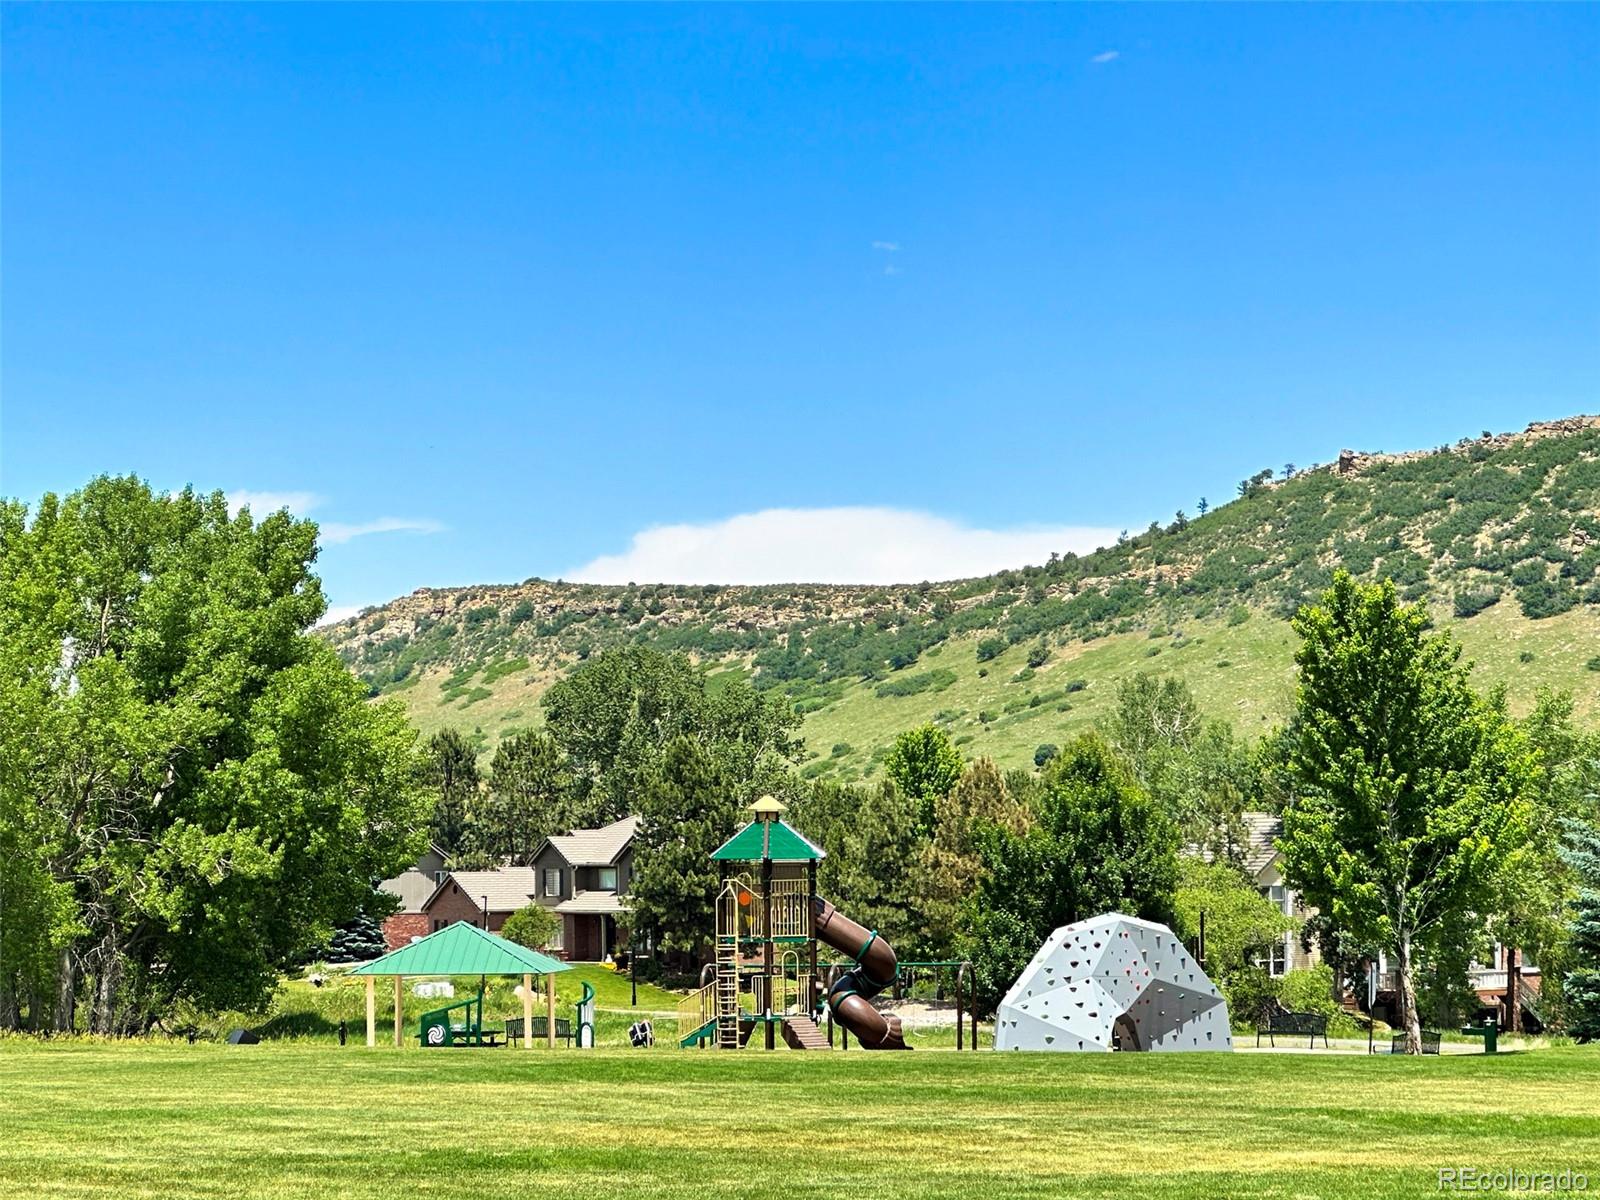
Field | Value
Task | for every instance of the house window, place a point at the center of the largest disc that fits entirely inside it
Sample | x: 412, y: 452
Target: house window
x: 555, y: 942
x: 607, y: 879
x: 438, y: 877
x: 1274, y: 958
x: 552, y: 881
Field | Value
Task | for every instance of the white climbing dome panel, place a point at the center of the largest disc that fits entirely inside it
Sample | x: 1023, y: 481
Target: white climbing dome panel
x: 1113, y: 977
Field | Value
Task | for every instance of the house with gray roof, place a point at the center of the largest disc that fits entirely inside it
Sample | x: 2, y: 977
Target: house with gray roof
x: 583, y: 876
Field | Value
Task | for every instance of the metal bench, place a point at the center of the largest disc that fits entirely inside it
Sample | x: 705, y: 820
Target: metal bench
x: 1430, y: 1042
x: 538, y: 1030
x: 1303, y: 1024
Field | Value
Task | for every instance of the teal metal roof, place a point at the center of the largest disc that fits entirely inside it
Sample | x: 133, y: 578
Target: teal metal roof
x: 752, y: 844
x: 463, y: 949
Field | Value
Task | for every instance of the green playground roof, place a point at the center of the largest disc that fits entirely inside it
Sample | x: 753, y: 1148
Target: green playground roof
x: 752, y: 844
x: 462, y: 949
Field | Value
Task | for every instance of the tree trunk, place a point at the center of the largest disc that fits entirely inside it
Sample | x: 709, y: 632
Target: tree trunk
x: 10, y: 1013
x: 1513, y: 987
x: 65, y: 1014
x: 1408, y: 996
x: 108, y: 971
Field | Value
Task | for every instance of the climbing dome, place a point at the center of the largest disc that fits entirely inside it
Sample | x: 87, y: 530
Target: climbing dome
x: 1113, y: 982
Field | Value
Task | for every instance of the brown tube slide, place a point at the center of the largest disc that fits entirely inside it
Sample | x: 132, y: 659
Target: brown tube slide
x: 850, y: 998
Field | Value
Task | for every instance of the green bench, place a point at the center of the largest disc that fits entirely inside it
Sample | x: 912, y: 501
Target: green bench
x: 539, y: 1030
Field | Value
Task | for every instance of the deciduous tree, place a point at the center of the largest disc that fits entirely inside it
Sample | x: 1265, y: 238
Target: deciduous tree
x: 1099, y: 844
x: 924, y: 765
x: 204, y: 792
x: 1412, y: 792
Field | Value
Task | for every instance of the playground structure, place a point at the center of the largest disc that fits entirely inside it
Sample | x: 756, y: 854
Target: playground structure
x: 1113, y: 983
x: 765, y: 973
x: 438, y: 1028
x: 586, y: 1017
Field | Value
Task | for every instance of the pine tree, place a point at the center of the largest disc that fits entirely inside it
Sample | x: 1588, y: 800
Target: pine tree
x: 1582, y: 982
x: 450, y: 772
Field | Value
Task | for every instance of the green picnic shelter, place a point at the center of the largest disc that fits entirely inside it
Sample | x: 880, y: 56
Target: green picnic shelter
x: 463, y: 949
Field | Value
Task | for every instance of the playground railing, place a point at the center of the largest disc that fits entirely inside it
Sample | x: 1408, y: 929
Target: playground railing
x: 695, y: 1009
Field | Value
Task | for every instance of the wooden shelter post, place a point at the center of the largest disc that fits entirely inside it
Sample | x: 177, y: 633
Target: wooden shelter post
x: 399, y: 1010
x: 372, y: 1011
x: 527, y: 1012
x: 550, y: 1011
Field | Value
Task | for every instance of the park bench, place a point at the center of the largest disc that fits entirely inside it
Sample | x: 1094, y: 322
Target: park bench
x: 1430, y: 1042
x: 538, y: 1030
x: 1302, y: 1024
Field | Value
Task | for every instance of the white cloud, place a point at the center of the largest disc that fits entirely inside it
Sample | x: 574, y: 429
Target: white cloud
x: 887, y: 247
x: 831, y: 545
x: 891, y: 269
x: 338, y: 612
x: 336, y: 532
x: 264, y: 504
x: 1106, y: 56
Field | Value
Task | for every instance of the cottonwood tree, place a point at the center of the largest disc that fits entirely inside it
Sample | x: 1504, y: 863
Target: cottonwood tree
x: 949, y: 866
x: 616, y: 714
x: 1411, y: 799
x: 195, y: 791
x: 924, y: 764
x: 1534, y: 918
x: 1194, y: 768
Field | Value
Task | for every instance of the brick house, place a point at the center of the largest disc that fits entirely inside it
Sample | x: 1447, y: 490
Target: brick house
x: 412, y: 888
x: 583, y: 876
x: 481, y: 898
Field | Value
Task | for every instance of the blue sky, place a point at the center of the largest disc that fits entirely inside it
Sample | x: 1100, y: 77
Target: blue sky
x: 511, y: 291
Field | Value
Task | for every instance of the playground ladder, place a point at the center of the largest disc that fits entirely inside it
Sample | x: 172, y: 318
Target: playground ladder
x: 728, y: 993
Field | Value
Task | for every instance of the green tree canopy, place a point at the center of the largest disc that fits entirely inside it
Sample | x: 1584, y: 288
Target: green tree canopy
x: 205, y: 792
x: 1099, y: 845
x: 1239, y: 920
x: 687, y: 807
x: 1412, y: 792
x: 949, y: 865
x: 617, y: 713
x: 1195, y: 769
x: 924, y: 765
x: 530, y: 796
x: 1581, y: 984
x: 448, y: 769
x: 533, y: 926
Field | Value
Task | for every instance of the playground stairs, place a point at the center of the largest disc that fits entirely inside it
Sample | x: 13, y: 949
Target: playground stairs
x: 802, y: 1034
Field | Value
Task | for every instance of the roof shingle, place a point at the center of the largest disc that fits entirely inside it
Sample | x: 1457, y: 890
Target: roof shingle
x: 596, y: 847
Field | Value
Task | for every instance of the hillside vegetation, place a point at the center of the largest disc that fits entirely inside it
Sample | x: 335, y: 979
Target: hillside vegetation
x: 1499, y: 534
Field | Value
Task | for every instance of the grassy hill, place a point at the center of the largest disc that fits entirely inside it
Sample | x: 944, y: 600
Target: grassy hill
x: 1500, y: 535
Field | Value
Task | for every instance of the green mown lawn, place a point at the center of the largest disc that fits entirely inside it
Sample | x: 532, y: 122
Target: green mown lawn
x: 282, y: 1120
